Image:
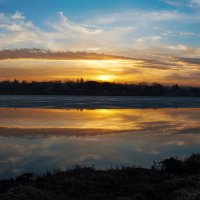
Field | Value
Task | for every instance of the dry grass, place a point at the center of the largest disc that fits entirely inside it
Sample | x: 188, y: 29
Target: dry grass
x: 163, y: 182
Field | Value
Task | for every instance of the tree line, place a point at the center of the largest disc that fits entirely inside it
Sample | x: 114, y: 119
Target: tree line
x: 81, y: 87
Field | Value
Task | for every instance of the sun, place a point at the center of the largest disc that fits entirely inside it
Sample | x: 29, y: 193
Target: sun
x: 105, y: 77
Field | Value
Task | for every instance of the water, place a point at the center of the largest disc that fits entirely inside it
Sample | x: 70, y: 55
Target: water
x: 92, y: 102
x: 35, y: 139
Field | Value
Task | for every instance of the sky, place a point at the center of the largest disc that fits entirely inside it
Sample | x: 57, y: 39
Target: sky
x: 159, y: 39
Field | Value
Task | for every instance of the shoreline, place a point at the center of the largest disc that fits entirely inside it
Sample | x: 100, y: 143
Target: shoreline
x: 171, y: 178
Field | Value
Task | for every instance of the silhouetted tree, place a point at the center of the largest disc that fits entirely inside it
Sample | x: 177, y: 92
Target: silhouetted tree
x: 81, y: 87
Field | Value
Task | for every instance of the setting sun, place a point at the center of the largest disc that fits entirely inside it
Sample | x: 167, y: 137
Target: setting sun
x: 106, y: 77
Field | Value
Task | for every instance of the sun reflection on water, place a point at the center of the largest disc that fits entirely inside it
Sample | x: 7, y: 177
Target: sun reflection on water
x: 115, y: 119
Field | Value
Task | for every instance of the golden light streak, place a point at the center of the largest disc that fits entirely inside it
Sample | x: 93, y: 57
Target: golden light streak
x: 114, y: 119
x: 115, y: 70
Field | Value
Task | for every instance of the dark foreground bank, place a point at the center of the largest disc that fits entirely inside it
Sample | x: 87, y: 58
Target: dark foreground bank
x: 171, y: 179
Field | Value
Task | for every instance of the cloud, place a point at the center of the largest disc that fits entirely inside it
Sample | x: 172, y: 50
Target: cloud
x: 127, y: 33
x: 154, y: 62
x: 18, y: 16
x: 183, y: 78
x: 184, y: 34
x: 48, y: 65
x: 195, y: 61
x: 184, y: 3
x: 139, y: 16
x: 64, y: 24
x: 179, y: 50
x: 16, y: 31
x: 55, y: 55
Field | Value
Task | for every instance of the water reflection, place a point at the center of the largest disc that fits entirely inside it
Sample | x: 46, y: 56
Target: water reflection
x: 41, y: 139
x: 115, y: 119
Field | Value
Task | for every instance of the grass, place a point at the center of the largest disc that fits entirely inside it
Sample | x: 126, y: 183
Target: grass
x: 170, y: 179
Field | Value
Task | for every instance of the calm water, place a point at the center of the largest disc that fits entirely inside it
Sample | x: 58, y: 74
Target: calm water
x: 38, y: 139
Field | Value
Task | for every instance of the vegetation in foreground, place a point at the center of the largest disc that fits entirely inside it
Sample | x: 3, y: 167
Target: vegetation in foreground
x: 171, y: 179
x: 81, y: 87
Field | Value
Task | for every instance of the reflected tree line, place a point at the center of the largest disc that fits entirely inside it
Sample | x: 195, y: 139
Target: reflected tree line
x: 81, y: 87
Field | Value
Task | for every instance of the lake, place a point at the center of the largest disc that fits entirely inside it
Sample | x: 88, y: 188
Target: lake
x: 40, y: 133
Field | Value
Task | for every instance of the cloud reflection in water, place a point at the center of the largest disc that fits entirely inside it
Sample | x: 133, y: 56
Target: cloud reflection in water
x: 41, y: 139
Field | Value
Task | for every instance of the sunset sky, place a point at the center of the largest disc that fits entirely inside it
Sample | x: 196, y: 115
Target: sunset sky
x: 125, y: 40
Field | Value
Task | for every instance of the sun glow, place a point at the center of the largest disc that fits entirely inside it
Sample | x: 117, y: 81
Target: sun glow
x: 106, y: 77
